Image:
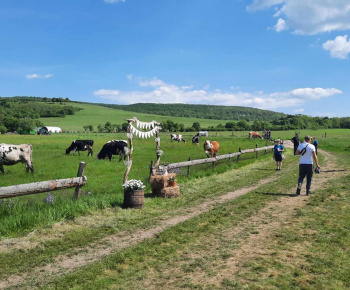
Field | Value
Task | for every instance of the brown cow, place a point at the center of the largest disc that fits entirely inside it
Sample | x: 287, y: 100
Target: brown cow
x: 254, y: 135
x: 211, y: 148
x: 13, y: 154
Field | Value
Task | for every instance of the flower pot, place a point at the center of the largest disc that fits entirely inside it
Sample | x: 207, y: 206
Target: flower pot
x: 134, y: 198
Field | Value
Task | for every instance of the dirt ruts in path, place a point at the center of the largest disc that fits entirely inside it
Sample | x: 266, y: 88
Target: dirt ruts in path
x: 272, y: 217
x: 65, y: 264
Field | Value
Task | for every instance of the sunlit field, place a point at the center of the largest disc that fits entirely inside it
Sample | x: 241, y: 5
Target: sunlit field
x: 104, y: 179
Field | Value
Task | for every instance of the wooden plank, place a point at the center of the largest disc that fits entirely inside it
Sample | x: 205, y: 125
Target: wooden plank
x: 79, y: 174
x: 39, y: 187
x: 217, y: 158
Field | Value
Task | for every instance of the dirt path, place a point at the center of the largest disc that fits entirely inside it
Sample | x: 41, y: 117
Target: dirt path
x: 281, y: 209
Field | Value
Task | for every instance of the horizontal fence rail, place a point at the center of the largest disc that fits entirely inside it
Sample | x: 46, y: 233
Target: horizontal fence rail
x: 210, y: 160
x: 45, y: 186
x: 39, y: 187
x: 217, y: 158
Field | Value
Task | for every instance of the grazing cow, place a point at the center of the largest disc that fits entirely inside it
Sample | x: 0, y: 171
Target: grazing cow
x: 113, y: 147
x: 254, y: 135
x: 203, y: 134
x: 81, y: 145
x: 12, y: 154
x: 195, y: 139
x: 211, y: 148
x: 177, y: 137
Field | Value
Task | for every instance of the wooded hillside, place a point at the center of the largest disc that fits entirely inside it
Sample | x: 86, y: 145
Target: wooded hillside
x: 202, y: 111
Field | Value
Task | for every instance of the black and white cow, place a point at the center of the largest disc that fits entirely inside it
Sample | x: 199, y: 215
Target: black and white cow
x: 81, y: 145
x: 177, y: 137
x: 113, y: 147
x: 13, y: 154
x: 195, y: 139
x: 203, y: 134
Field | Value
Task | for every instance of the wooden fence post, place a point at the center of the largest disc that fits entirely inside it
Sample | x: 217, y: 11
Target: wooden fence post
x: 188, y: 168
x: 80, y: 174
x: 239, y: 150
x: 150, y: 171
x: 257, y: 152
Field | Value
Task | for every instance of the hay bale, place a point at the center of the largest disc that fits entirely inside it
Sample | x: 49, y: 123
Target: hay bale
x: 168, y: 192
x: 160, y: 182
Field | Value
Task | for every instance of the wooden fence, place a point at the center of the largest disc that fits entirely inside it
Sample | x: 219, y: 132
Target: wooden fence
x: 45, y: 186
x: 229, y: 156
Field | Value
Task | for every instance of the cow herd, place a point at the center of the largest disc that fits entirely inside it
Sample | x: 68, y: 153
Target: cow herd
x: 211, y: 148
x: 13, y: 154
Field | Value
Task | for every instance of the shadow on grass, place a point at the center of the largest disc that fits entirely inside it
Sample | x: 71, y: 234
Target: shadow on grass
x: 265, y: 169
x: 279, y: 194
x: 336, y: 170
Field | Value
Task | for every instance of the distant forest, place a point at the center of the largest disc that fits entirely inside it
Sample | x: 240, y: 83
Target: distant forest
x: 22, y: 113
x: 243, y: 118
x: 202, y: 111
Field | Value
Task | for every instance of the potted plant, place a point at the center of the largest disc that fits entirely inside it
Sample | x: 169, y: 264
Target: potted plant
x: 134, y: 194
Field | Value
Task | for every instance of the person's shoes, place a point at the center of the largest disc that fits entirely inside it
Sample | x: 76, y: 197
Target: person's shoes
x: 298, y: 191
x: 308, y: 192
x: 276, y: 168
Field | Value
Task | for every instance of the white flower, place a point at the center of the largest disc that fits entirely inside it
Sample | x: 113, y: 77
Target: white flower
x: 133, y: 184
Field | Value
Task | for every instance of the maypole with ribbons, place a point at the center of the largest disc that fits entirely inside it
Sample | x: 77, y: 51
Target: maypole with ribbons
x: 153, y: 128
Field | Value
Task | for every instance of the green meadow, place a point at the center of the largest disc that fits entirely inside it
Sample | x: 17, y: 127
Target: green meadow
x: 99, y: 213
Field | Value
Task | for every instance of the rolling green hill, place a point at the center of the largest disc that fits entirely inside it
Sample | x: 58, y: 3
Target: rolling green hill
x: 202, y: 111
x: 98, y: 115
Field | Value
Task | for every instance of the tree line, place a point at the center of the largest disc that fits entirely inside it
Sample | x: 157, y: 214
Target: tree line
x: 22, y: 113
x: 200, y: 111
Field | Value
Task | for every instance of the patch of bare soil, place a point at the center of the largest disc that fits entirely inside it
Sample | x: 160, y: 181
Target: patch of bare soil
x: 280, y: 210
x: 273, y: 216
x: 66, y: 263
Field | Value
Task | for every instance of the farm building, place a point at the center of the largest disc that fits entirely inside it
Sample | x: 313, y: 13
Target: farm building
x: 48, y: 129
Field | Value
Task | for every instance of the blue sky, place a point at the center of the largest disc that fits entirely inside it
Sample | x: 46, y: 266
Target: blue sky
x: 288, y: 56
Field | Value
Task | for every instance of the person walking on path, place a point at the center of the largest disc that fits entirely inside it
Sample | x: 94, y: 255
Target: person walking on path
x: 307, y: 152
x: 315, y: 144
x: 278, y: 151
x: 296, y: 142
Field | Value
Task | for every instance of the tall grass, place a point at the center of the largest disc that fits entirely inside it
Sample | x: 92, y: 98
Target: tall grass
x: 104, y: 179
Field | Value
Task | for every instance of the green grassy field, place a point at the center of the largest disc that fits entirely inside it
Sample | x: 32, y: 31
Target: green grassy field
x: 104, y: 185
x: 97, y: 115
x: 103, y: 196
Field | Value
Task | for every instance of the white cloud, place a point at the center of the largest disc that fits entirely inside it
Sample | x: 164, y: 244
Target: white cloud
x: 161, y: 92
x: 113, y: 1
x: 263, y: 4
x: 37, y: 76
x: 281, y: 25
x: 339, y: 47
x: 308, y: 16
x: 299, y: 111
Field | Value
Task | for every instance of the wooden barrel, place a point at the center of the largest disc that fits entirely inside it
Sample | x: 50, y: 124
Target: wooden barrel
x: 134, y: 199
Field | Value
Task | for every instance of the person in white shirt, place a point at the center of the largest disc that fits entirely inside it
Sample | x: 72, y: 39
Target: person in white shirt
x: 307, y: 152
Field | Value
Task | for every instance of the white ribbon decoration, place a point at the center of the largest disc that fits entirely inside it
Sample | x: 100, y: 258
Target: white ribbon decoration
x: 145, y: 125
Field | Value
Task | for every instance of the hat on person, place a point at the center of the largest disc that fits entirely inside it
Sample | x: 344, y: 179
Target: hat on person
x: 278, y: 140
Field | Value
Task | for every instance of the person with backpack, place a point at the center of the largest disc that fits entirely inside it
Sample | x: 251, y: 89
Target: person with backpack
x: 278, y: 153
x: 315, y: 144
x: 307, y: 154
x: 296, y: 142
